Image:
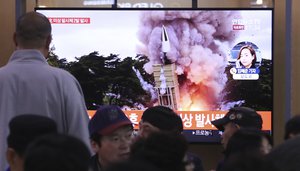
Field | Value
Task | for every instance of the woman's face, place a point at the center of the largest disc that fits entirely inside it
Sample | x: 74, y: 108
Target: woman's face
x: 246, y: 58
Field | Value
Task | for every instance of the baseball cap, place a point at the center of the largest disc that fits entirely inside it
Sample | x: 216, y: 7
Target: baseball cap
x: 243, y: 116
x: 163, y: 118
x: 107, y: 119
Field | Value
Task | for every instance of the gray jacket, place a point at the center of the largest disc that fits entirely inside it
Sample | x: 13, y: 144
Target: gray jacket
x: 28, y: 85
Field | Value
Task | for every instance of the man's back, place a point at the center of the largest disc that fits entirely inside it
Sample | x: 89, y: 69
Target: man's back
x: 29, y: 85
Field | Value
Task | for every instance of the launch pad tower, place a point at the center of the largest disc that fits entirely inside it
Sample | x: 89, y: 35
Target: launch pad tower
x: 170, y: 97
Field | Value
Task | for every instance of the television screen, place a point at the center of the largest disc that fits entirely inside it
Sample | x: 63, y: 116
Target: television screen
x: 199, y: 62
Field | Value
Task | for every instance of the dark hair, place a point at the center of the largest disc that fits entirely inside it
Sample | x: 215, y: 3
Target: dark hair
x: 163, y: 118
x: 292, y: 126
x: 27, y: 127
x: 243, y: 151
x: 32, y: 30
x: 162, y: 149
x: 252, y: 51
x: 57, y: 152
x: 96, y: 138
x: 245, y: 141
x: 241, y: 162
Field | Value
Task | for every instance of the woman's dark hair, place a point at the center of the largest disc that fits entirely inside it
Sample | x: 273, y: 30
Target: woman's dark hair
x: 162, y: 149
x: 245, y: 140
x: 243, y: 151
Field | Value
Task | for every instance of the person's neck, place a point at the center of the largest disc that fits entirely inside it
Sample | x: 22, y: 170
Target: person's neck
x: 102, y: 163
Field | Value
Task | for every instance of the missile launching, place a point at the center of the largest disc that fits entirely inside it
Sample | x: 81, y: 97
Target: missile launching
x: 165, y: 45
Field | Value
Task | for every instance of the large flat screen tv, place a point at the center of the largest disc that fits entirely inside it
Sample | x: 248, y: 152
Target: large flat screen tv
x: 200, y: 62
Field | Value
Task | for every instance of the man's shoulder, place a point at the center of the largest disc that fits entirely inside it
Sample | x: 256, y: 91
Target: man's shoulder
x: 60, y: 72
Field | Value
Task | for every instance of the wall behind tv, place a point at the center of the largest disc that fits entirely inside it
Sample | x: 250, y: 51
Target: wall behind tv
x: 285, y: 99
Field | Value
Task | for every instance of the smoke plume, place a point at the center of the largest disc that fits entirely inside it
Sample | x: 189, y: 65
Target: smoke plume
x: 197, y: 39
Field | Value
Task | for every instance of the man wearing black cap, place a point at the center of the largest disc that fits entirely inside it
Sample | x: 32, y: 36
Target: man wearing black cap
x: 159, y: 118
x: 111, y: 135
x: 23, y: 130
x: 236, y: 118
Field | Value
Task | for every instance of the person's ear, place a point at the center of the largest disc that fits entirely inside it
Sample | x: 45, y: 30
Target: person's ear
x: 48, y: 41
x: 95, y: 146
x: 14, y: 160
x: 15, y: 39
x: 11, y: 156
x: 237, y: 126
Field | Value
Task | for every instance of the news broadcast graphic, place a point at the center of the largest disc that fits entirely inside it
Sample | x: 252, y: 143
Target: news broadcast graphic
x: 199, y: 62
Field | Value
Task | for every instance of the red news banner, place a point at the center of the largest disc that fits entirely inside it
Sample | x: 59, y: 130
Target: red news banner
x: 69, y: 20
x: 194, y: 120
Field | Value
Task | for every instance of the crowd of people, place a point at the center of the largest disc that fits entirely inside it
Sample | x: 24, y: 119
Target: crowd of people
x: 45, y: 123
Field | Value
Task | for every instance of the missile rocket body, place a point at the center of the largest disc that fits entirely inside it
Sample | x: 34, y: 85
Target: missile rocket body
x: 165, y: 47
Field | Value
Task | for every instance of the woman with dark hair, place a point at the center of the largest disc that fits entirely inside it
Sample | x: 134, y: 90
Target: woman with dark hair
x: 246, y: 57
x: 164, y: 150
x: 248, y: 141
x: 246, y: 147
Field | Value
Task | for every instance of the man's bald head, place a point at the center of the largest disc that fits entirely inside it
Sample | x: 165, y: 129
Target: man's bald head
x: 33, y: 31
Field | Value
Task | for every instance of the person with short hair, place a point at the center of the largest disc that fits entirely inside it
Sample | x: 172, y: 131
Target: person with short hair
x: 57, y: 152
x: 24, y: 129
x: 111, y: 136
x: 29, y: 85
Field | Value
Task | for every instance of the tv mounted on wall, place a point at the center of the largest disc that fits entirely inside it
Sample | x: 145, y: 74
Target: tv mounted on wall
x: 186, y: 59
